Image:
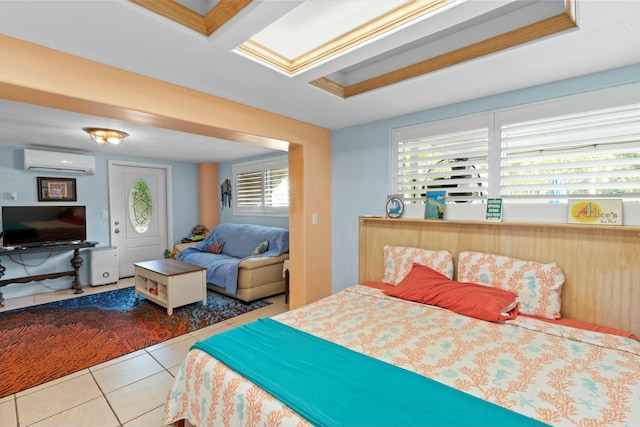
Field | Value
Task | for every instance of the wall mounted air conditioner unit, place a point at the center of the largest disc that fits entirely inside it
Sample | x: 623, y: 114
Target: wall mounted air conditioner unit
x: 53, y: 161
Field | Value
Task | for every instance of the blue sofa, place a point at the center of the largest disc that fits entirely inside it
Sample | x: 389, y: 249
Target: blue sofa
x: 249, y: 263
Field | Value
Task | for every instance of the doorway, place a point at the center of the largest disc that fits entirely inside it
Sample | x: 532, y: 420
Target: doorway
x: 140, y: 212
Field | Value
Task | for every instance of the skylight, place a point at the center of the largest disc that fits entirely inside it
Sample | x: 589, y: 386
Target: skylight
x: 318, y: 30
x: 315, y: 23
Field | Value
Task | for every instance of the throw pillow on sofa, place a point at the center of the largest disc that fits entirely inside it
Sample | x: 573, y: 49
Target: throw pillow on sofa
x: 261, y: 248
x: 215, y: 247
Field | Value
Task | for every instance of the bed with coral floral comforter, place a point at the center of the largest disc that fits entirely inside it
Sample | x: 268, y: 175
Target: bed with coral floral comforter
x: 556, y: 374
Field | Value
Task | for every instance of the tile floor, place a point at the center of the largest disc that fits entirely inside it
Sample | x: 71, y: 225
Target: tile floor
x: 125, y: 392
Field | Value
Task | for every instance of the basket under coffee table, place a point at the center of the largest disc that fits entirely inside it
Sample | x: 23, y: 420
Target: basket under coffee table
x: 170, y: 283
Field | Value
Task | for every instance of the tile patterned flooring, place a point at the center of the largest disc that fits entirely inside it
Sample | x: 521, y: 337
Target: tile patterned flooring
x: 125, y: 392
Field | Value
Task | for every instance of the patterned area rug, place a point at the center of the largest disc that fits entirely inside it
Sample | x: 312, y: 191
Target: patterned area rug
x: 48, y: 341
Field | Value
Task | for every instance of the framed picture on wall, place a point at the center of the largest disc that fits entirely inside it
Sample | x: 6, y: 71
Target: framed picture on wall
x: 57, y: 189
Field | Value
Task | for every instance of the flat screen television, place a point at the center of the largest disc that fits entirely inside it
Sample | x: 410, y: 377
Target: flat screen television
x: 38, y: 225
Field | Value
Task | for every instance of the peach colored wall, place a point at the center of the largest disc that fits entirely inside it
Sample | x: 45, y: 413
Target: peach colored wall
x: 41, y: 76
x: 208, y: 194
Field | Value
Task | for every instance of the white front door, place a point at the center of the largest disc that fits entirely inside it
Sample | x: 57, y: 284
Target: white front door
x: 139, y: 200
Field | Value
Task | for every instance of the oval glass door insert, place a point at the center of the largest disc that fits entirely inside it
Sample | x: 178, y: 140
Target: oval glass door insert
x: 140, y: 206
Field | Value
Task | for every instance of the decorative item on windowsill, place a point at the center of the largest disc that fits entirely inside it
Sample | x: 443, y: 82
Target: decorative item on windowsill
x: 494, y: 209
x: 225, y: 191
x: 435, y: 204
x: 395, y: 206
x: 595, y: 211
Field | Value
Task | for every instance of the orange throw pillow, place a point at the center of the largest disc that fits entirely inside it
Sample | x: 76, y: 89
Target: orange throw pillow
x: 427, y: 286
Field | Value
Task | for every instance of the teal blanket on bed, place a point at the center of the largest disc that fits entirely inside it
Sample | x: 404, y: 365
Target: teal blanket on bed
x: 331, y: 385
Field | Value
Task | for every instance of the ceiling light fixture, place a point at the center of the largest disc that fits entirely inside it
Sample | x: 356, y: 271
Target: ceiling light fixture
x: 106, y: 136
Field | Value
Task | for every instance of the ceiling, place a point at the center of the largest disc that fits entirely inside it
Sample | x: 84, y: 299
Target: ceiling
x: 455, y: 51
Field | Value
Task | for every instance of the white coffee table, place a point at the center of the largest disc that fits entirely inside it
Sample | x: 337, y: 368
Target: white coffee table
x: 170, y: 283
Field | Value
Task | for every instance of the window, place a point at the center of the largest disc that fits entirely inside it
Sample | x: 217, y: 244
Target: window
x: 262, y: 187
x: 456, y: 162
x: 585, y: 145
x: 593, y: 153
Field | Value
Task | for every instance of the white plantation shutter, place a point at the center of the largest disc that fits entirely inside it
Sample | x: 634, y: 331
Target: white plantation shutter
x: 262, y: 187
x: 249, y: 189
x: 594, y: 153
x: 453, y: 161
x: 276, y: 188
x: 585, y: 145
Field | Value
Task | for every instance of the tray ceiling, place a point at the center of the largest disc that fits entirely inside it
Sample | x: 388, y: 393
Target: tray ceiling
x: 458, y: 51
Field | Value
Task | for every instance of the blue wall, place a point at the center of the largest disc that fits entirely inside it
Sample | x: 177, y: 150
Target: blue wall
x: 360, y: 183
x: 93, y: 192
x: 225, y: 171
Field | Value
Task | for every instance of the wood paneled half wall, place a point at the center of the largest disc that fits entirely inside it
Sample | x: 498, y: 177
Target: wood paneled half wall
x: 601, y: 264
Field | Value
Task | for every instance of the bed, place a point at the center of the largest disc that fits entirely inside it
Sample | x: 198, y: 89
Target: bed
x: 555, y: 371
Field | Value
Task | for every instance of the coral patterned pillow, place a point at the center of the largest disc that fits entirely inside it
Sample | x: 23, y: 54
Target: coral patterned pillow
x: 539, y: 286
x: 398, y: 261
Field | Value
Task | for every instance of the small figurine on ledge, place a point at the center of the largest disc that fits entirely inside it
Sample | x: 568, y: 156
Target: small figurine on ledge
x: 199, y: 232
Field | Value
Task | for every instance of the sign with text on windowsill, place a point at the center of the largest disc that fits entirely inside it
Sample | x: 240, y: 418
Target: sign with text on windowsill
x: 595, y: 211
x: 494, y: 209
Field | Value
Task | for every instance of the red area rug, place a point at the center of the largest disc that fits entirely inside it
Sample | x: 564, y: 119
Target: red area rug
x: 48, y: 341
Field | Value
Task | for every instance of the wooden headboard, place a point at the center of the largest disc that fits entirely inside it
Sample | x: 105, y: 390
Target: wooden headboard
x: 601, y: 264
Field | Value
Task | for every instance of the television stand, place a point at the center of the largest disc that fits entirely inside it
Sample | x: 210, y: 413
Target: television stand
x: 76, y: 263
